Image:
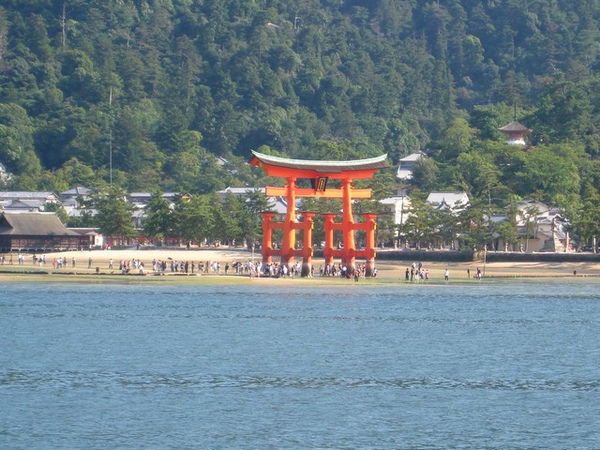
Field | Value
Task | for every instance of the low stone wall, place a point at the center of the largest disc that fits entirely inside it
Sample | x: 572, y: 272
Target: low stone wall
x: 421, y: 255
x: 454, y: 256
x: 417, y: 255
x: 540, y: 257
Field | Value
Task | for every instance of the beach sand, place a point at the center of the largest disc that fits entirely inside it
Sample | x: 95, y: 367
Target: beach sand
x: 388, y: 271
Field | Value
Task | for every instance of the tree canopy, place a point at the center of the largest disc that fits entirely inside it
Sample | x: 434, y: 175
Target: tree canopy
x: 173, y: 95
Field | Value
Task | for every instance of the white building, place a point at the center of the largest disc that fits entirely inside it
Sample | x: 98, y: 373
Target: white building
x: 456, y: 201
x: 4, y: 175
x: 72, y: 200
x: 407, y: 165
x: 399, y: 206
x: 541, y: 228
x: 26, y: 201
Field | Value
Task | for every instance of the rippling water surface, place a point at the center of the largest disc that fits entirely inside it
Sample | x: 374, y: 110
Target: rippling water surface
x: 488, y: 366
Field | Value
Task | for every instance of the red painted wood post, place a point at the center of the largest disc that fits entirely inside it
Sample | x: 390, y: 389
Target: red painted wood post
x: 267, y: 245
x: 307, y: 250
x: 370, y: 244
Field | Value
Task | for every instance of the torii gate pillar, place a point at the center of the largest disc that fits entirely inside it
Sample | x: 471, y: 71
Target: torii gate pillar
x: 288, y: 227
x: 370, y: 226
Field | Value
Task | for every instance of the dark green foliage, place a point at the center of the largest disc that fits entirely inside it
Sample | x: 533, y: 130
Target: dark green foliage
x: 158, y: 221
x: 206, y: 218
x: 113, y: 214
x: 176, y: 94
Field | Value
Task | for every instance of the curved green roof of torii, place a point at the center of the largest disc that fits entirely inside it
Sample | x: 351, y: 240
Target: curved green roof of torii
x: 375, y: 163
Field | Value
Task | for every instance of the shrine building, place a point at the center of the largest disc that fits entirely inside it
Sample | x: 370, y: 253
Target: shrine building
x: 515, y: 133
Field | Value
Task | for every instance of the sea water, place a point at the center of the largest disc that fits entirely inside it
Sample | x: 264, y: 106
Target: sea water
x: 504, y: 365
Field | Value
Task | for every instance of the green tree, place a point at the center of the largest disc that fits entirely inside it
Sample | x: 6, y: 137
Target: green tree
x: 478, y: 172
x: 552, y: 172
x: 383, y: 184
x: 507, y: 230
x: 475, y: 225
x: 332, y: 80
x: 113, y: 214
x: 455, y: 139
x: 76, y: 173
x: 55, y: 133
x: 194, y: 219
x: 227, y: 212
x: 425, y: 174
x: 134, y: 148
x: 419, y: 229
x: 250, y: 220
x: 583, y: 213
x: 486, y: 120
x: 564, y: 112
x: 157, y: 224
x: 335, y: 151
x: 80, y: 80
x: 16, y: 141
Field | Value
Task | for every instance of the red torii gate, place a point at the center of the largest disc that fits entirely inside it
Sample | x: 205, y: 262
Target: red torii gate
x: 319, y: 172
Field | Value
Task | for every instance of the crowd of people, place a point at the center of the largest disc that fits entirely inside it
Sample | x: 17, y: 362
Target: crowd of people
x: 416, y: 273
x: 333, y: 270
x: 169, y: 265
x: 21, y: 258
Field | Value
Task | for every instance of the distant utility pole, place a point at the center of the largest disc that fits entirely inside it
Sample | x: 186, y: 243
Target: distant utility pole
x: 63, y: 25
x: 110, y: 138
x: 296, y: 26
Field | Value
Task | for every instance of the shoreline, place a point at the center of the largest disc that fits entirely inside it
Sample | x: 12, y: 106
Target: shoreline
x: 388, y: 271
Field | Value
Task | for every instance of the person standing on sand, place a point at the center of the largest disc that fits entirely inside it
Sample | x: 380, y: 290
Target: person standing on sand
x: 446, y: 275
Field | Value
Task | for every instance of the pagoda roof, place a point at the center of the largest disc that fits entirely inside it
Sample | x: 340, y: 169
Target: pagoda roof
x: 369, y: 164
x: 515, y: 126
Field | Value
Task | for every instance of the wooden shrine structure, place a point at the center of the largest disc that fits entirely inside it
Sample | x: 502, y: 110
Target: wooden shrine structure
x: 319, y: 173
x: 515, y: 133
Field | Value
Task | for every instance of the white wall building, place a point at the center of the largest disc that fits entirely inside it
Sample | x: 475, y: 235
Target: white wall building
x: 406, y: 166
x: 399, y: 206
x: 455, y: 200
x: 541, y: 227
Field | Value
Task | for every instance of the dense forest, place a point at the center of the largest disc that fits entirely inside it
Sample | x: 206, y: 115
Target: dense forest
x: 174, y: 94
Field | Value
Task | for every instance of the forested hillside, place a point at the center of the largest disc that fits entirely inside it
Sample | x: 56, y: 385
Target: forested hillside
x: 164, y: 87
